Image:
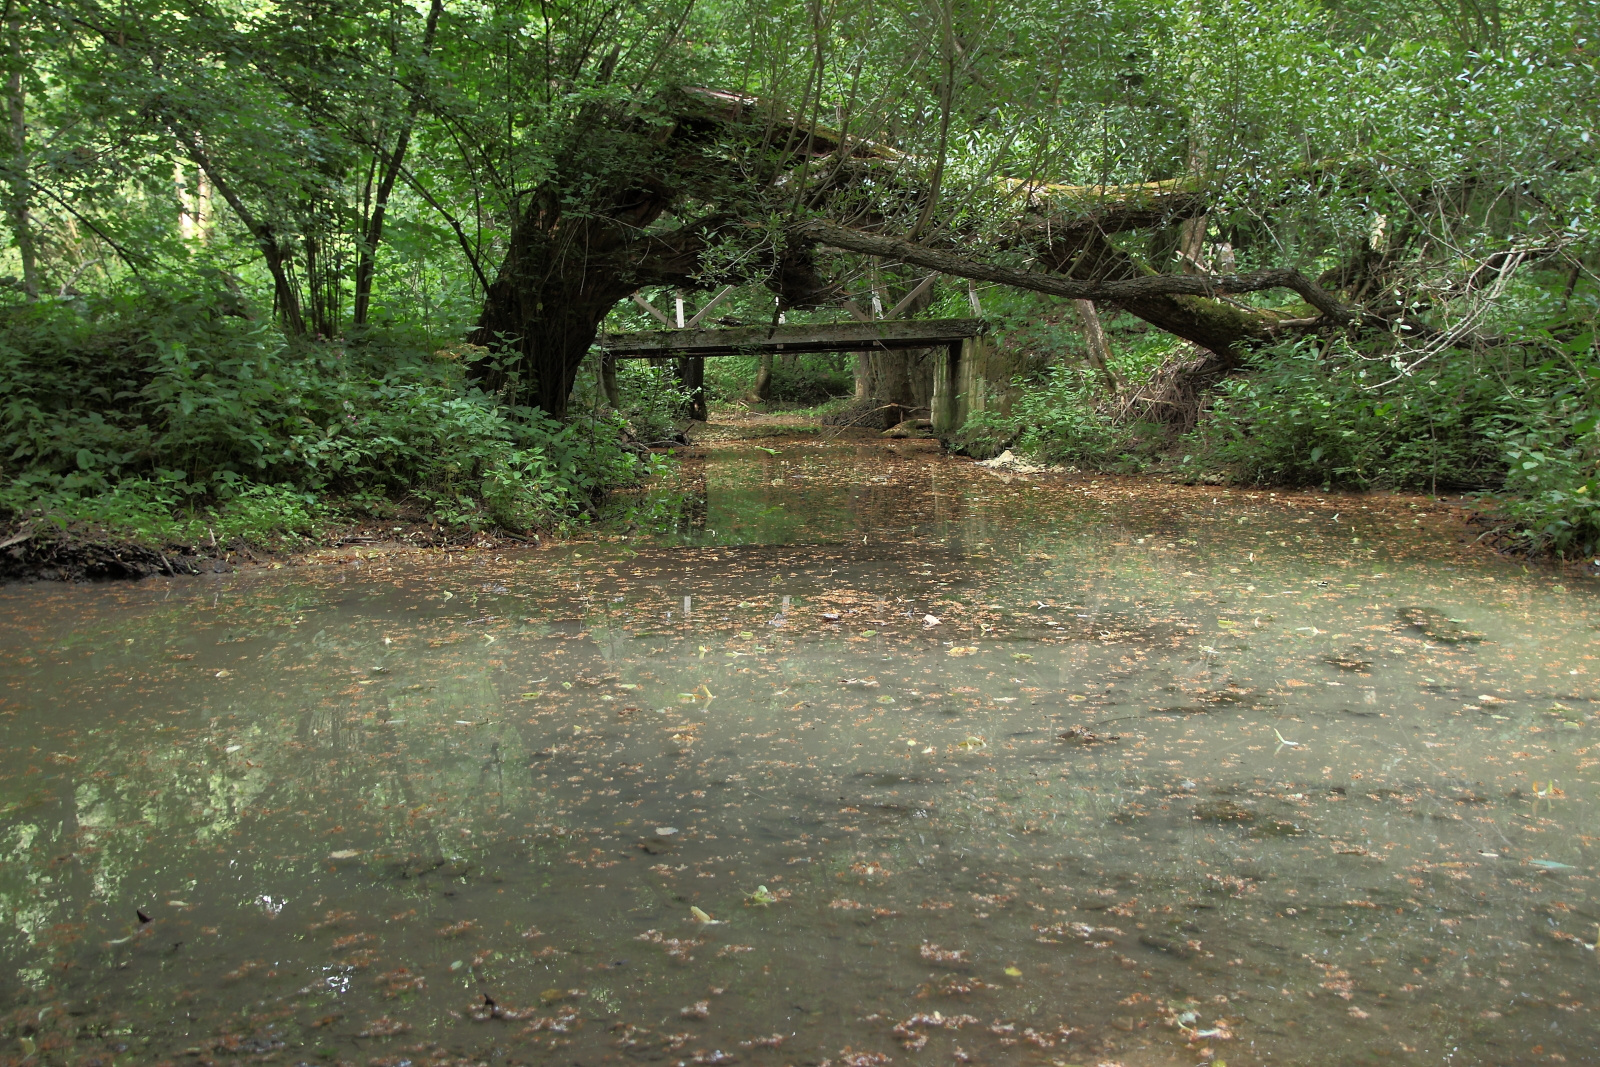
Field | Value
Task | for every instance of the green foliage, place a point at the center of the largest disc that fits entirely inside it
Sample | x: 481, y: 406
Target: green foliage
x: 1056, y: 415
x: 1059, y: 419
x: 1523, y: 427
x: 653, y: 401
x: 806, y: 379
x: 1304, y: 415
x: 130, y: 406
x: 153, y: 512
x: 313, y: 156
x: 1552, y: 449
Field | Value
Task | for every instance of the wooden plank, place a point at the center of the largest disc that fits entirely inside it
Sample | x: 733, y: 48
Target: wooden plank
x: 905, y: 301
x: 654, y: 311
x: 727, y: 291
x: 831, y: 337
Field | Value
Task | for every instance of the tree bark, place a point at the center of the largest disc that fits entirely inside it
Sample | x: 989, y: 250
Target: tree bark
x: 761, y: 388
x: 1183, y: 305
x: 692, y: 373
x: 543, y: 310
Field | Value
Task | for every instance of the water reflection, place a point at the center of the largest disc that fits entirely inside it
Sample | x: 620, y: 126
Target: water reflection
x: 1321, y: 795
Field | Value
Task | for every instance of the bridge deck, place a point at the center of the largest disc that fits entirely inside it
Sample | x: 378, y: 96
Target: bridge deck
x: 753, y: 340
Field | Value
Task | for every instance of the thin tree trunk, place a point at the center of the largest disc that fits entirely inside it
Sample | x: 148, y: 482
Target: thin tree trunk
x: 186, y: 210
x: 762, y: 388
x: 1094, y: 336
x: 204, y: 217
x: 367, y: 263
x: 285, y: 297
x: 16, y: 101
x: 608, y: 380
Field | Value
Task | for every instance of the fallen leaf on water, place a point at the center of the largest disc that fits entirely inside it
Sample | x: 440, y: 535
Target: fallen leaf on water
x: 345, y: 854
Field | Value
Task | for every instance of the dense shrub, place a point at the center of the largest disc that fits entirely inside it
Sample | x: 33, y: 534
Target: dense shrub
x: 1516, y: 424
x: 1060, y: 419
x: 1305, y: 416
x: 125, y: 407
x: 1521, y: 425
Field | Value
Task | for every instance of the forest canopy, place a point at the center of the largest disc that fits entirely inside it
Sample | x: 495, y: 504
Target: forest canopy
x: 365, y: 247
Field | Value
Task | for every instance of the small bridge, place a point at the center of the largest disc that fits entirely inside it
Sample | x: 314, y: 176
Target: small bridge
x: 961, y: 374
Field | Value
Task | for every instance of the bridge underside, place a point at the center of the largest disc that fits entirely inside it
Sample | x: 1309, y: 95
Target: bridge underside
x: 962, y: 372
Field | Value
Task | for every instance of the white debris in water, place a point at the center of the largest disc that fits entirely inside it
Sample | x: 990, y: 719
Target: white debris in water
x: 1006, y: 461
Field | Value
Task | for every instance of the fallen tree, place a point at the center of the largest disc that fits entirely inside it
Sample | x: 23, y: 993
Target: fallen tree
x: 723, y: 155
x: 715, y: 163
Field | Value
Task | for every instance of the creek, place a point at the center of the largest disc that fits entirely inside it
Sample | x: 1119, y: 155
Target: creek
x: 854, y: 753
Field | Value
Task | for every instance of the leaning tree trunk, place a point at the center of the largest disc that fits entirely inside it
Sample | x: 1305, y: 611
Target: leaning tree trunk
x: 539, y: 318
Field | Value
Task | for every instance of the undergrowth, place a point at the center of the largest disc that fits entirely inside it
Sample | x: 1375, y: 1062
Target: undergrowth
x: 175, y: 418
x: 1515, y: 425
x: 806, y: 379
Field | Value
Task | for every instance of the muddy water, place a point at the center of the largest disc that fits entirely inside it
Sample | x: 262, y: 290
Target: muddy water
x: 783, y: 782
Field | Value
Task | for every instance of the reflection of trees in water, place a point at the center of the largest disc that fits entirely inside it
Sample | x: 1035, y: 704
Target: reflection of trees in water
x: 927, y: 508
x: 142, y: 808
x: 691, y: 503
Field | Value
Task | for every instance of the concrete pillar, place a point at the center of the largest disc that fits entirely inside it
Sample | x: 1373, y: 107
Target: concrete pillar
x: 947, y: 414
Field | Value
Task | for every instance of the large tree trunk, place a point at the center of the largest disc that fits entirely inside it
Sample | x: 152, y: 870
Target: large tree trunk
x: 1181, y: 304
x: 543, y: 310
x: 538, y: 338
x: 692, y: 373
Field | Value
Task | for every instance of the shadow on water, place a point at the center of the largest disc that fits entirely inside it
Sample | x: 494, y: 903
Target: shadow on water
x: 852, y: 752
